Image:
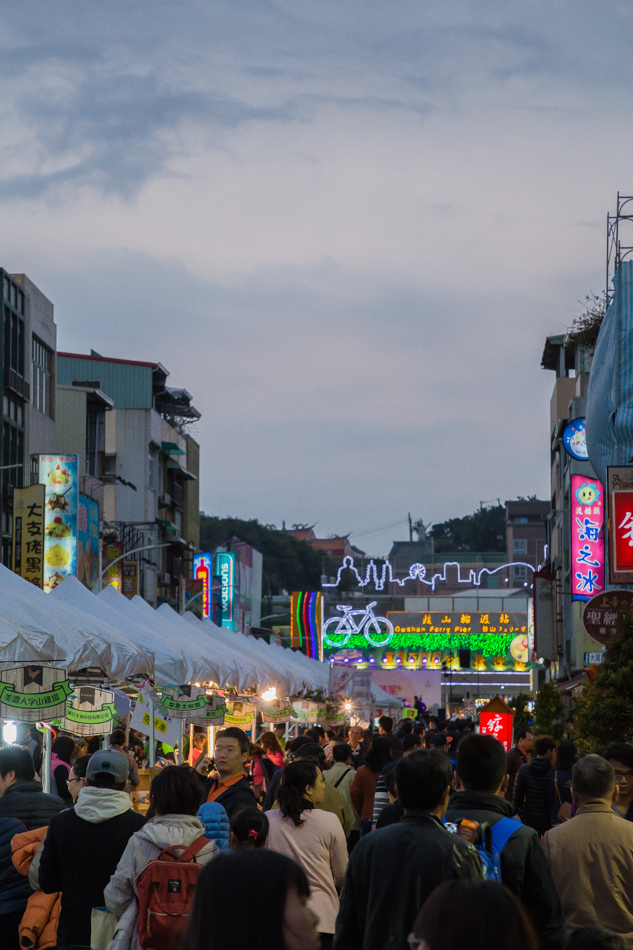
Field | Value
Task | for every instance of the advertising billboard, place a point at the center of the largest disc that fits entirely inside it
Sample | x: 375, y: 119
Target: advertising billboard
x: 620, y: 488
x: 112, y: 551
x: 28, y: 533
x: 587, y: 537
x: 58, y: 474
x: 225, y: 571
x: 203, y: 571
x: 88, y: 541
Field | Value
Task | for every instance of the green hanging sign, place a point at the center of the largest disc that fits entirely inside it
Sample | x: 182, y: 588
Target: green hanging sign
x: 11, y: 698
x: 91, y: 717
x: 174, y: 706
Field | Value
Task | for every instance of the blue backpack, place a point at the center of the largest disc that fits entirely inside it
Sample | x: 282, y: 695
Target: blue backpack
x: 489, y: 841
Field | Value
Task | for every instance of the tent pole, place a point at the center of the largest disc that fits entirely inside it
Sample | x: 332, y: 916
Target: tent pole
x: 46, y: 759
x: 152, y: 739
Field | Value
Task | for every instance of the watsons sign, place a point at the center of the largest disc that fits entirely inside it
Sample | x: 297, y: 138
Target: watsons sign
x: 225, y: 570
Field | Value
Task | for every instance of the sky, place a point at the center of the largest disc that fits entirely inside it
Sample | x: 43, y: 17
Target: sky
x: 345, y: 228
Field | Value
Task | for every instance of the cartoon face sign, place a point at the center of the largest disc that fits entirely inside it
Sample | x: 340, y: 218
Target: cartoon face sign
x: 588, y: 493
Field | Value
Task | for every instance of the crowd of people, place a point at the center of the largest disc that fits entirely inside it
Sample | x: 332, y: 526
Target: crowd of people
x: 425, y: 835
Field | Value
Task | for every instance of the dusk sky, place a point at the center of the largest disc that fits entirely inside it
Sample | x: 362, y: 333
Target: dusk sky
x: 345, y: 228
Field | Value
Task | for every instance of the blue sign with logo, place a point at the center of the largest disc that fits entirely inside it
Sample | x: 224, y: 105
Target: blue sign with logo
x: 575, y: 439
x: 225, y: 571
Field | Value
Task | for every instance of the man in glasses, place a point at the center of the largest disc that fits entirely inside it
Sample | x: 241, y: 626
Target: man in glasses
x: 620, y: 755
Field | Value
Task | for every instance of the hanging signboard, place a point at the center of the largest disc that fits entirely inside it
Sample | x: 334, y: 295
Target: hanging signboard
x: 183, y: 701
x: 33, y: 692
x: 545, y: 615
x: 213, y: 714
x: 274, y: 711
x: 88, y: 541
x: 90, y: 711
x: 28, y: 533
x: 112, y: 551
x: 601, y: 615
x: 240, y: 714
x: 58, y: 474
x: 203, y: 572
x: 129, y: 578
x: 495, y: 719
x: 620, y: 490
x: 225, y: 570
x: 166, y: 728
x: 575, y: 439
x: 587, y: 537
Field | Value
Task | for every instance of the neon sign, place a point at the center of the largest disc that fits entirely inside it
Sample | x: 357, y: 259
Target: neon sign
x: 587, y: 538
x: 417, y: 572
x: 306, y: 615
x: 378, y: 631
x: 202, y: 571
x: 225, y: 569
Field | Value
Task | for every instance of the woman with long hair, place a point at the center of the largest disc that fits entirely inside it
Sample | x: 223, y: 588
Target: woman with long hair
x: 267, y: 758
x: 270, y: 744
x: 363, y: 788
x: 63, y: 752
x: 477, y: 915
x: 252, y: 898
x: 311, y: 837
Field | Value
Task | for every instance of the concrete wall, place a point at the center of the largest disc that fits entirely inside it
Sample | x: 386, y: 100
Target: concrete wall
x: 40, y: 321
x: 70, y: 437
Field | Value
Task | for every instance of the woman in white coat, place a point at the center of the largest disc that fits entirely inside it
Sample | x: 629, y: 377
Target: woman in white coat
x: 174, y: 796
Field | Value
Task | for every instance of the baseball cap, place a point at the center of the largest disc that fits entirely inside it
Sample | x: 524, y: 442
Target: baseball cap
x: 109, y: 762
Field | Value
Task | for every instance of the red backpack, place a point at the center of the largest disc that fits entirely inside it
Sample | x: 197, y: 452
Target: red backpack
x: 165, y: 894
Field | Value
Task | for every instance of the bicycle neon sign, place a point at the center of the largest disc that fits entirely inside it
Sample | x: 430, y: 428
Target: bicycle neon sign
x: 417, y: 572
x: 378, y: 631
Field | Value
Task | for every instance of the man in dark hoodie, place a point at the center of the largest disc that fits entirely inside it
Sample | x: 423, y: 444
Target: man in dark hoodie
x: 482, y: 778
x: 22, y: 796
x: 531, y: 789
x: 228, y: 786
x: 84, y: 845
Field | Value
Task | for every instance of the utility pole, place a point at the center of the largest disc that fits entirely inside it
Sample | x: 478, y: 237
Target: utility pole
x: 410, y: 528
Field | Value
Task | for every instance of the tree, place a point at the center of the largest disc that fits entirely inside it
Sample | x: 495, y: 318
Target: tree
x: 484, y: 530
x: 522, y: 715
x: 549, y: 712
x: 289, y: 564
x: 604, y: 712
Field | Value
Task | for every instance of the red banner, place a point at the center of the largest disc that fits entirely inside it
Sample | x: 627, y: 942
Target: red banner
x: 498, y: 725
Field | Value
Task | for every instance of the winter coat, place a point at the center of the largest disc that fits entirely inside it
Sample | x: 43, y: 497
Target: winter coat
x: 524, y: 867
x: 235, y: 797
x: 531, y: 794
x: 14, y: 889
x: 216, y: 824
x: 362, y: 792
x: 26, y: 801
x: 38, y: 927
x: 81, y: 852
x: 515, y: 759
x: 390, y: 874
x: 344, y: 776
x: 121, y: 894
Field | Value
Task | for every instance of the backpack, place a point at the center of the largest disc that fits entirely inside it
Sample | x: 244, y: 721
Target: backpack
x: 488, y: 840
x: 165, y: 893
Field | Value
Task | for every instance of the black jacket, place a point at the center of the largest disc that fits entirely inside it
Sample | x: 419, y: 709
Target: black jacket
x: 78, y: 859
x: 390, y: 874
x: 235, y: 798
x: 524, y: 867
x: 531, y: 794
x: 515, y: 759
x: 29, y: 804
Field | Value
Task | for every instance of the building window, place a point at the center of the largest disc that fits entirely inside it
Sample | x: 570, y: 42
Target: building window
x: 520, y: 521
x: 42, y: 359
x: 520, y: 546
x: 520, y: 574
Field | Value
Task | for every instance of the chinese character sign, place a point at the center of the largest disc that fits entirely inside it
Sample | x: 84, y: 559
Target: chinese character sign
x: 620, y: 484
x: 203, y: 571
x: 28, y: 533
x: 499, y: 725
x: 112, y: 570
x: 587, y: 537
x: 87, y: 541
x: 58, y: 474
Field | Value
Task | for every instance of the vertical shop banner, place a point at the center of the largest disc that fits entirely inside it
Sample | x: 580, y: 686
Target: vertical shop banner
x: 58, y: 474
x: 587, y: 537
x: 28, y: 533
x: 225, y: 570
x: 88, y: 541
x: 545, y: 615
x: 306, y: 622
x: 203, y: 572
x: 499, y: 725
x: 129, y: 578
x: 620, y: 489
x: 112, y: 573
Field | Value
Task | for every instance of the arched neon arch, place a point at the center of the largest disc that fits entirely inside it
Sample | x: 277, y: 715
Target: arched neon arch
x: 417, y: 572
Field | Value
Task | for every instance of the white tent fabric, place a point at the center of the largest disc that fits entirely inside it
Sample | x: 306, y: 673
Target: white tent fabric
x: 243, y: 673
x: 171, y: 666
x: 267, y: 674
x: 35, y: 627
x: 312, y: 674
x: 381, y: 698
x: 224, y: 667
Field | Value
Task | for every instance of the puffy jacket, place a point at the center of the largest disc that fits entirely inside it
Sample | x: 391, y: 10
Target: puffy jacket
x: 26, y: 801
x: 121, y: 894
x: 216, y: 824
x: 380, y: 900
x: 524, y: 867
x: 38, y: 927
x: 14, y: 889
x: 531, y: 794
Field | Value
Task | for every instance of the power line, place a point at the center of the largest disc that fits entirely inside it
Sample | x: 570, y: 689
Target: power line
x: 364, y: 534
